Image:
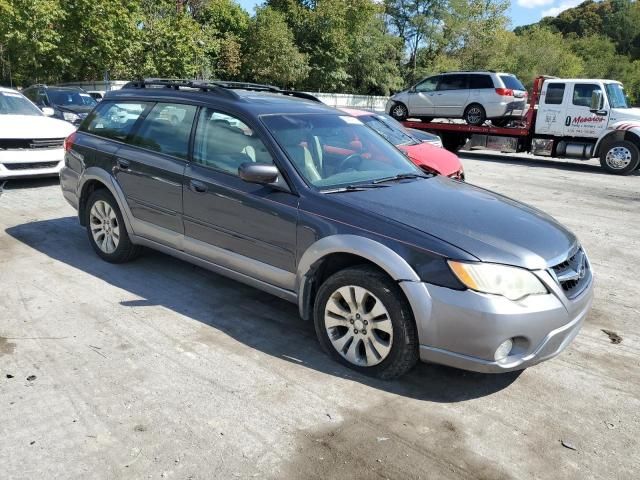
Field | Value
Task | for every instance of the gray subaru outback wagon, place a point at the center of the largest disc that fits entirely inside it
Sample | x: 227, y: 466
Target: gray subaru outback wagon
x: 274, y: 189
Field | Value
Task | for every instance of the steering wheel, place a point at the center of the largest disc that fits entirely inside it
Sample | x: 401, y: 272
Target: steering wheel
x: 349, y: 158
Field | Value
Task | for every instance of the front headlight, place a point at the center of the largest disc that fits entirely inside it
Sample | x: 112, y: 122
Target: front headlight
x: 70, y: 117
x: 511, y: 282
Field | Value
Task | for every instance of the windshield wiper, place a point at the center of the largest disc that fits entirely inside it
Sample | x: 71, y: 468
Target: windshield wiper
x: 401, y: 176
x: 354, y: 188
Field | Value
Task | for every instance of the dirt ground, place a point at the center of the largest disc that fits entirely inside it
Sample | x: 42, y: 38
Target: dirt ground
x: 159, y: 369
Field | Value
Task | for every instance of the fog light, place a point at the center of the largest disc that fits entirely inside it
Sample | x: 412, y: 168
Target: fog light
x: 503, y: 350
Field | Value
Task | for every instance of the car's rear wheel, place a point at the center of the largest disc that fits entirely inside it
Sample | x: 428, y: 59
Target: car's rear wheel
x: 501, y: 122
x: 475, y: 114
x: 399, y: 111
x: 426, y: 119
x: 106, y: 228
x: 363, y: 320
x: 620, y: 158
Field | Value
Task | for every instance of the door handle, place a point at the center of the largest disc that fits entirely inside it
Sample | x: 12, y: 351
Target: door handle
x: 196, y: 186
x: 123, y: 164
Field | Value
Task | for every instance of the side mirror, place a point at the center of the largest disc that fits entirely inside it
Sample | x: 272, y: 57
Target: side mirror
x: 48, y: 111
x: 262, y: 173
x: 597, y: 100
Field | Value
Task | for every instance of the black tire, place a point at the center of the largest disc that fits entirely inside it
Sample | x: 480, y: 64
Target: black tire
x: 500, y: 122
x: 403, y: 352
x: 399, y: 111
x: 475, y: 114
x: 453, y: 142
x: 125, y: 250
x: 620, y: 158
x: 426, y: 119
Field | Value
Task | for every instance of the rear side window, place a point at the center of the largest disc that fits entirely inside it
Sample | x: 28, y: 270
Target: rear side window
x: 224, y: 143
x: 480, y: 81
x: 166, y: 129
x: 453, y: 82
x: 582, y: 93
x: 114, y: 120
x: 555, y: 94
x: 512, y: 82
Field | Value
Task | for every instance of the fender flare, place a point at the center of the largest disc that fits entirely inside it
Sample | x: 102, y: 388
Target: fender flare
x: 619, y: 131
x: 102, y: 176
x: 381, y: 255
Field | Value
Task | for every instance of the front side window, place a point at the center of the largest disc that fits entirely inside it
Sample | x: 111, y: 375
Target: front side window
x: 224, y: 143
x: 332, y: 151
x: 114, y: 120
x: 13, y: 103
x: 582, y: 93
x: 615, y: 93
x: 64, y: 97
x: 166, y: 129
x: 453, y: 82
x: 555, y: 94
x: 428, y: 85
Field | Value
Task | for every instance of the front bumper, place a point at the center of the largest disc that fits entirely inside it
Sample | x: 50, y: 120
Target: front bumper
x: 30, y: 163
x: 463, y: 329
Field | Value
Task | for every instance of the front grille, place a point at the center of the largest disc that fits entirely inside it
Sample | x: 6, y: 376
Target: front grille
x: 30, y: 144
x: 573, y: 274
x: 29, y: 166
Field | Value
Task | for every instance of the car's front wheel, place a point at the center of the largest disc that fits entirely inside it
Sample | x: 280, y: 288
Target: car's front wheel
x: 475, y: 114
x: 106, y: 229
x: 363, y: 320
x: 399, y: 111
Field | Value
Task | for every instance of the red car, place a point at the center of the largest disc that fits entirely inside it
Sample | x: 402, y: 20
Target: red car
x: 425, y: 155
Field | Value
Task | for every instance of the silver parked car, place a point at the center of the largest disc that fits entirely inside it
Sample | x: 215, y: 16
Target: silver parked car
x: 473, y: 96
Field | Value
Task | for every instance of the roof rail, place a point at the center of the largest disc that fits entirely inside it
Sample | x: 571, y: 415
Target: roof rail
x: 218, y: 86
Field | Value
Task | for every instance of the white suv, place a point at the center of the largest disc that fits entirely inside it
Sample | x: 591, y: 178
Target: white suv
x: 473, y: 96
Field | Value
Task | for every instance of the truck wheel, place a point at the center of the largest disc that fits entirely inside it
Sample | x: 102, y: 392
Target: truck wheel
x: 474, y: 114
x: 363, y: 320
x: 620, y: 158
x: 106, y: 229
x: 399, y: 111
x: 452, y: 142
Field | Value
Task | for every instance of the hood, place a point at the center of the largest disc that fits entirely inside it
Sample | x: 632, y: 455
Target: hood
x: 33, y: 126
x: 487, y: 225
x: 79, y: 109
x: 621, y: 114
x: 436, y: 158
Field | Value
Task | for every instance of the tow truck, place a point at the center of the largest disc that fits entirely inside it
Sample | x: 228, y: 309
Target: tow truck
x: 567, y: 118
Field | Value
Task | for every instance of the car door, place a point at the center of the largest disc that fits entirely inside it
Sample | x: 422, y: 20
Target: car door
x: 580, y: 120
x: 150, y: 167
x: 451, y: 95
x: 552, y: 106
x: 421, y: 97
x: 246, y: 227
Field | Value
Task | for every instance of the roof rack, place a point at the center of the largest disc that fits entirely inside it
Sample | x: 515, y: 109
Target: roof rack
x: 217, y: 86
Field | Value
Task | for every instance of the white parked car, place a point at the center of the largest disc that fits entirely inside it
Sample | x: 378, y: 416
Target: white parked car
x: 473, y: 96
x: 31, y: 144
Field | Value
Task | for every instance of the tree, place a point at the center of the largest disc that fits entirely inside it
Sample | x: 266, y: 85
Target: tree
x: 272, y: 56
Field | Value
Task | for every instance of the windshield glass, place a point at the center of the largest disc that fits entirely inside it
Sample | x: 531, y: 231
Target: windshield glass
x: 389, y: 129
x: 332, y: 151
x: 71, y: 97
x: 14, y: 103
x: 615, y: 92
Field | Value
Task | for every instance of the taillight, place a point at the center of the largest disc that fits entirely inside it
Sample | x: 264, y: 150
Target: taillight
x: 505, y: 92
x: 68, y: 142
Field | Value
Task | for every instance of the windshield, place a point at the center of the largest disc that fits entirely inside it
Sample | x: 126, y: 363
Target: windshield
x: 617, y: 98
x: 389, y: 129
x: 332, y: 151
x: 14, y: 103
x: 512, y: 82
x: 70, y: 97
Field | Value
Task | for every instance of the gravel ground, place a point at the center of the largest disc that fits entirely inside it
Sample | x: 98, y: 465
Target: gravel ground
x: 159, y: 369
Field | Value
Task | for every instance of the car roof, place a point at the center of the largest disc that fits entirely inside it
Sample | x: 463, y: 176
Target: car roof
x: 248, y: 101
x: 356, y: 113
x: 5, y: 89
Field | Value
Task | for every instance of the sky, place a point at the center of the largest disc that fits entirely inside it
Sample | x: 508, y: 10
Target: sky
x: 522, y: 12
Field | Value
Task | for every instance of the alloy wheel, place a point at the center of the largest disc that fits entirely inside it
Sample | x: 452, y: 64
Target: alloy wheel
x: 358, y: 326
x: 104, y: 226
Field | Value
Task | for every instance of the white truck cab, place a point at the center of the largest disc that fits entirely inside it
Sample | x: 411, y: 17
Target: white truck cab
x: 589, y: 118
